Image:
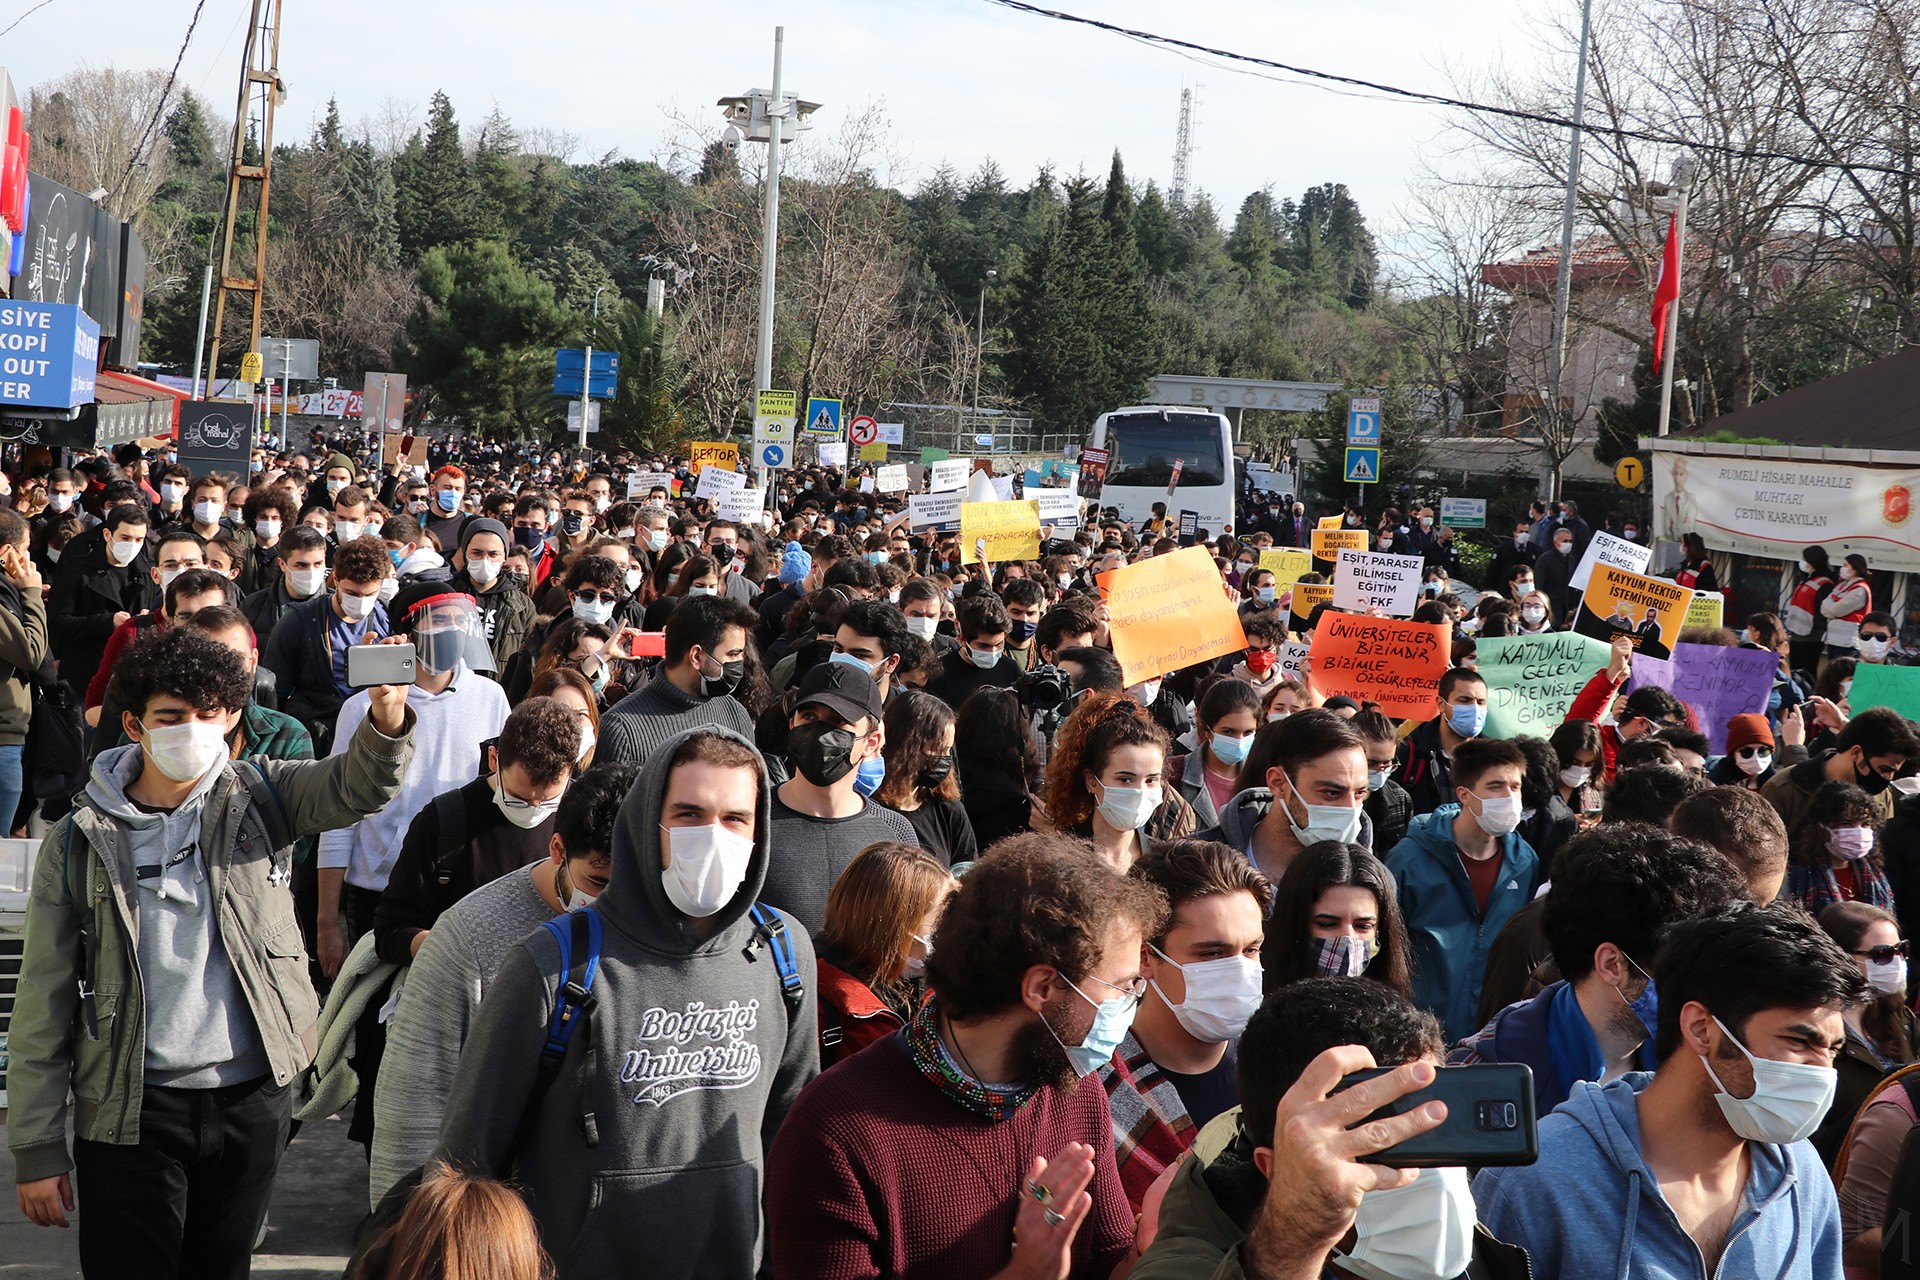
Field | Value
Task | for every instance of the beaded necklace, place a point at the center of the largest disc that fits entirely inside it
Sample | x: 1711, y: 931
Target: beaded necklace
x: 930, y: 1056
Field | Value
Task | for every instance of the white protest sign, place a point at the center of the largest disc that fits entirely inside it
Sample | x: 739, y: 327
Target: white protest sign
x: 714, y: 482
x: 1059, y: 508
x: 947, y: 474
x: 833, y: 453
x: 892, y: 478
x: 1607, y: 549
x: 1003, y: 488
x: 934, y: 510
x: 742, y: 505
x: 866, y: 484
x: 1367, y: 580
x: 1293, y: 660
x: 641, y: 483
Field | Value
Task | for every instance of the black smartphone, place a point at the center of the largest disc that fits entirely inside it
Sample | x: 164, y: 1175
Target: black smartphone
x: 372, y: 664
x: 1490, y: 1118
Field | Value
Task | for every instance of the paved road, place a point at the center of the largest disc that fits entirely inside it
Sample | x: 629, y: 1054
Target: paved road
x: 318, y: 1199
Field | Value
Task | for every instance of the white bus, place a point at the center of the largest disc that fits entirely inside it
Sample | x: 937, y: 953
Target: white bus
x: 1166, y: 453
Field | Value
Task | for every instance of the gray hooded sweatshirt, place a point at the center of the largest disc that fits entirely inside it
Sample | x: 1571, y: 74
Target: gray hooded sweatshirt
x: 1247, y: 810
x: 697, y: 1055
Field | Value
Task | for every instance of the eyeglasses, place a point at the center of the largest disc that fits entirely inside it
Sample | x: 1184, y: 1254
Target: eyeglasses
x: 1876, y: 635
x: 590, y: 597
x: 508, y: 800
x: 1881, y: 955
x: 1134, y: 991
x: 1748, y: 753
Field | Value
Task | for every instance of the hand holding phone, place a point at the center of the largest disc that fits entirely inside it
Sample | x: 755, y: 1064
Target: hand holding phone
x: 370, y: 665
x: 1490, y: 1118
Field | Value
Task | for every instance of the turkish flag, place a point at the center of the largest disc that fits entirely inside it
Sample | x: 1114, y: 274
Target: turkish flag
x: 1667, y: 290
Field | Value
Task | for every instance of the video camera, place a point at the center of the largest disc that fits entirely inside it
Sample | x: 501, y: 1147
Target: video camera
x: 1045, y: 688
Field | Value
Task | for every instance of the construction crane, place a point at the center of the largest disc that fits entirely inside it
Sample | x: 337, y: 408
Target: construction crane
x: 261, y: 90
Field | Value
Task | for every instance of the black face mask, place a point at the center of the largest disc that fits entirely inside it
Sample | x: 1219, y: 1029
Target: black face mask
x: 731, y: 674
x: 528, y: 538
x: 1871, y: 782
x: 821, y: 752
x: 573, y: 522
x: 936, y: 773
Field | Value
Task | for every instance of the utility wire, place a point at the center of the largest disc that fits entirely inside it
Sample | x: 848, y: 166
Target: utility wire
x: 1188, y: 47
x: 133, y: 160
x: 23, y: 17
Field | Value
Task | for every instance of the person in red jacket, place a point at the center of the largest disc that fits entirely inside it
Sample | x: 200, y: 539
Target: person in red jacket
x: 873, y: 945
x: 927, y: 1155
x: 1648, y: 709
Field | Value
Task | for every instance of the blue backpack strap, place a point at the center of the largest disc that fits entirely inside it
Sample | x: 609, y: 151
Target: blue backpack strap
x: 780, y: 944
x: 579, y: 937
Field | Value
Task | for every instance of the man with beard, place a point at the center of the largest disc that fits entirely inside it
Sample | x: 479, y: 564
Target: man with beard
x: 936, y: 1151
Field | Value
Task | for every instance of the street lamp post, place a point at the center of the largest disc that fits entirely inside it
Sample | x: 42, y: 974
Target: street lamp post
x: 980, y: 344
x: 586, y: 374
x: 760, y: 116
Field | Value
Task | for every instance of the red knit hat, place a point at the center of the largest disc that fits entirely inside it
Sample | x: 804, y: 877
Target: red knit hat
x: 1746, y: 731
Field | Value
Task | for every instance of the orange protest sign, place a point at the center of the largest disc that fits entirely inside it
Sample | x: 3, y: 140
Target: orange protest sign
x: 1329, y: 522
x: 1385, y: 660
x: 1329, y: 543
x: 1169, y: 612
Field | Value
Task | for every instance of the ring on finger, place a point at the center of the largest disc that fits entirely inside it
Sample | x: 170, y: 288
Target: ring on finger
x: 1037, y: 1191
x: 1053, y: 1219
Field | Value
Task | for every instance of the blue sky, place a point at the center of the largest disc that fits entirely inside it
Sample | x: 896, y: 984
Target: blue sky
x: 960, y: 79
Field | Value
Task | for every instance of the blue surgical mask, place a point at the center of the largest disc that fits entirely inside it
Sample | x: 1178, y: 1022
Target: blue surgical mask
x: 396, y: 556
x: 1468, y: 720
x: 1231, y: 750
x: 1111, y: 1021
x: 848, y: 660
x: 871, y: 773
x: 1267, y: 595
x: 448, y: 500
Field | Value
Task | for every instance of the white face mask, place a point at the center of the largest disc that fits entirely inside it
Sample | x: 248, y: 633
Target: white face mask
x: 1533, y: 612
x: 658, y: 539
x: 634, y: 578
x: 208, y: 512
x: 601, y: 504
x: 1145, y: 692
x: 267, y: 529
x: 168, y: 575
x: 484, y: 571
x: 1789, y: 1098
x: 348, y: 530
x: 122, y: 553
x: 923, y: 627
x: 304, y: 582
x: 184, y: 752
x: 389, y: 588
x: 1576, y: 775
x: 596, y: 611
x: 1498, y: 815
x: 985, y: 659
x: 1754, y: 766
x: 172, y: 493
x: 1376, y: 779
x: 1324, y: 821
x: 587, y: 738
x: 1416, y: 1232
x: 1222, y: 995
x: 59, y: 501
x: 1872, y: 649
x: 705, y: 867
x: 357, y: 607
x: 1128, y: 808
x: 1888, y: 978
x: 524, y: 816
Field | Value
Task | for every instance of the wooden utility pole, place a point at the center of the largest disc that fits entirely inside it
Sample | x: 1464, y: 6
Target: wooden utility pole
x: 260, y: 92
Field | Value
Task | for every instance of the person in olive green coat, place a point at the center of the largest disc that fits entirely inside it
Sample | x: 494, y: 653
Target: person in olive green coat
x: 168, y: 980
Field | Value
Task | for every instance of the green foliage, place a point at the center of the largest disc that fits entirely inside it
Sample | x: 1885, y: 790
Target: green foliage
x: 647, y: 413
x: 1406, y: 450
x: 483, y: 336
x: 436, y: 193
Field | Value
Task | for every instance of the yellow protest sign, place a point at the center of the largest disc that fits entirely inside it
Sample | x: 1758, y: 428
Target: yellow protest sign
x: 1168, y: 613
x: 1706, y: 609
x: 876, y: 452
x: 1288, y: 564
x: 1329, y: 543
x: 1329, y: 522
x: 711, y: 453
x: 1011, y: 531
x: 1306, y: 596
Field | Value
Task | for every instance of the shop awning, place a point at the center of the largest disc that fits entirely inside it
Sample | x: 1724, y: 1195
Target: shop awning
x: 128, y: 407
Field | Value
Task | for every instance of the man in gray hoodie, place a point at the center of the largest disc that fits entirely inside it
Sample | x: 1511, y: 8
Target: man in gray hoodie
x: 1314, y: 764
x: 644, y: 1156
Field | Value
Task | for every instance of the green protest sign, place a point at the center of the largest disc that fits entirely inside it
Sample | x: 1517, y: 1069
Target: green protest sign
x: 1532, y: 680
x: 1876, y: 684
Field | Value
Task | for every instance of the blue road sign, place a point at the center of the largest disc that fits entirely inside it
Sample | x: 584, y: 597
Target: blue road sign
x: 1363, y: 466
x: 823, y: 418
x: 570, y: 362
x: 1363, y: 420
x: 773, y: 455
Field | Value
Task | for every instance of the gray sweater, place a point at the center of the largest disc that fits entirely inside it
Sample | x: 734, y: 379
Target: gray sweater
x: 810, y: 853
x: 437, y: 1011
x: 637, y: 726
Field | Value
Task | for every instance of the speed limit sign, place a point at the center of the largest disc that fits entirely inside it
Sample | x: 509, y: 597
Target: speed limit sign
x: 864, y: 430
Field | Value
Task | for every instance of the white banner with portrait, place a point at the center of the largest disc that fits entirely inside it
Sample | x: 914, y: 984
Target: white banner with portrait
x: 1775, y: 508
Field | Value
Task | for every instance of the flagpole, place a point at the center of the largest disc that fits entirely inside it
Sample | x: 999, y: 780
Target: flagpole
x: 1683, y: 175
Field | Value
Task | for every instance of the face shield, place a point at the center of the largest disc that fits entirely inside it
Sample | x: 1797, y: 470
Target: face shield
x: 448, y: 633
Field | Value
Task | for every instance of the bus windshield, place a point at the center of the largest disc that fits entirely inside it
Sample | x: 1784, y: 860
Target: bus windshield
x: 1143, y: 447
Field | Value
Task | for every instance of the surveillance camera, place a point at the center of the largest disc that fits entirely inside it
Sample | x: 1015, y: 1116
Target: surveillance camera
x: 731, y: 138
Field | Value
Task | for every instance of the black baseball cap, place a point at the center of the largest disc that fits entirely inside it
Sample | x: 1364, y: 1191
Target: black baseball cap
x: 846, y: 690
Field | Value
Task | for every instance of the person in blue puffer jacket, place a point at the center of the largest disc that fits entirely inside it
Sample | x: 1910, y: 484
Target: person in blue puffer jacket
x: 1462, y: 872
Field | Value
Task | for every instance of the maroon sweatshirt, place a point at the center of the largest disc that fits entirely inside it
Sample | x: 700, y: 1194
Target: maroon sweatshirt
x: 875, y: 1172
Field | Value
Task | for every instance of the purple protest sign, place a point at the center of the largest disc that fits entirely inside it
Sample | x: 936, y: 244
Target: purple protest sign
x: 1719, y: 683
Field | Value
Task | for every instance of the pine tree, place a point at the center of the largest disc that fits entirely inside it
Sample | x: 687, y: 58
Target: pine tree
x: 327, y: 135
x: 436, y: 192
x: 500, y: 189
x: 1153, y: 231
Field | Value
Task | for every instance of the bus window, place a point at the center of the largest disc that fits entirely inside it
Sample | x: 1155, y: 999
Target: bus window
x: 1144, y: 447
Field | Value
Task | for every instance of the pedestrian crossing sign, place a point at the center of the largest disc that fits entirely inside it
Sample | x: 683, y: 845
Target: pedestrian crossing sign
x: 1363, y: 466
x: 823, y: 418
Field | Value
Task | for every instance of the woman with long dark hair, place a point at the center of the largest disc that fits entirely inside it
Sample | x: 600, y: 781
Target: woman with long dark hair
x: 993, y: 752
x: 1835, y: 857
x: 1335, y: 916
x: 920, y: 781
x: 698, y: 575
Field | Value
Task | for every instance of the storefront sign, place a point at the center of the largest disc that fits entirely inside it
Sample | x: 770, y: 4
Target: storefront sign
x: 49, y: 352
x: 1765, y: 507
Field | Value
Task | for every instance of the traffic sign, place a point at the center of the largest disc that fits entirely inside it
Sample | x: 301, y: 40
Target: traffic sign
x: 252, y: 367
x: 823, y: 418
x: 774, y: 421
x: 1630, y: 471
x: 569, y: 365
x: 863, y: 430
x: 573, y: 417
x: 1363, y: 466
x: 1363, y: 420
x: 770, y: 456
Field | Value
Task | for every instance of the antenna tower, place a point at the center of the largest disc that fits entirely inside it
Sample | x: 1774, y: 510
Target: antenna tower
x: 261, y: 90
x: 1183, y: 149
